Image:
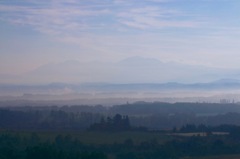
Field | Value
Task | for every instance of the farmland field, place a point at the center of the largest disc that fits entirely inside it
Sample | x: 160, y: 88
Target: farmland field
x: 98, y: 138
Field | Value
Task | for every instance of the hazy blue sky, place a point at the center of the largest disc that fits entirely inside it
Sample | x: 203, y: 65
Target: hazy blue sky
x: 37, y: 32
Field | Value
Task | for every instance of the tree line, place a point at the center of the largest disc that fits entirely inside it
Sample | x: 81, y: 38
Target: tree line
x: 116, y: 123
x: 23, y: 146
x: 58, y: 118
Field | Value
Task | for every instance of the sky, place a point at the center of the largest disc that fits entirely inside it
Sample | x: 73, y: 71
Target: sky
x: 196, y: 32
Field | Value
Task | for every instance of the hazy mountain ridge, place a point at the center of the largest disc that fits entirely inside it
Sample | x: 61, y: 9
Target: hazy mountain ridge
x: 218, y: 84
x: 130, y: 70
x: 131, y: 79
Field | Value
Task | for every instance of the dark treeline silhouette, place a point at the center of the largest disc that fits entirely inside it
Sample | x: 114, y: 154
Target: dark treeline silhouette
x: 117, y: 123
x: 148, y: 108
x: 27, y: 146
x: 155, y: 116
x: 192, y: 128
x: 46, y: 120
x: 142, y: 108
x: 53, y: 141
x: 61, y: 147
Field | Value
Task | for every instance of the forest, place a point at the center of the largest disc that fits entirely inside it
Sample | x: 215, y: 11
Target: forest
x: 154, y: 116
x: 130, y: 131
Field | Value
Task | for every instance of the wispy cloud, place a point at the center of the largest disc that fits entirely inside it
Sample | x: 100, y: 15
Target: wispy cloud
x: 73, y: 16
x: 154, y: 18
x: 54, y: 17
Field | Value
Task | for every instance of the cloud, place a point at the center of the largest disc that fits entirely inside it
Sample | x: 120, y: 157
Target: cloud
x: 52, y: 17
x: 154, y: 18
x: 73, y: 17
x: 88, y: 23
x: 99, y: 27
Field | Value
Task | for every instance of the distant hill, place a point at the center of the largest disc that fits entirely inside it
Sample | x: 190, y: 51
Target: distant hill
x: 222, y: 84
x: 108, y: 94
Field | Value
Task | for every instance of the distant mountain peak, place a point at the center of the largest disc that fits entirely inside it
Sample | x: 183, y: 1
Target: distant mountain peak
x: 134, y: 69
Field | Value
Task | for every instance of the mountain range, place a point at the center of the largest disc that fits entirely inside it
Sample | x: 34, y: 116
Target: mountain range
x: 130, y: 70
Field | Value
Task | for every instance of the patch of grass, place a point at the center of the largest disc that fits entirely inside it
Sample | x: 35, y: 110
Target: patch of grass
x: 120, y: 137
x: 98, y: 138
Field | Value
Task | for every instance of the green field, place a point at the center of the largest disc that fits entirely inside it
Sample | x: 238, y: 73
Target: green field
x: 119, y: 137
x: 99, y: 138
